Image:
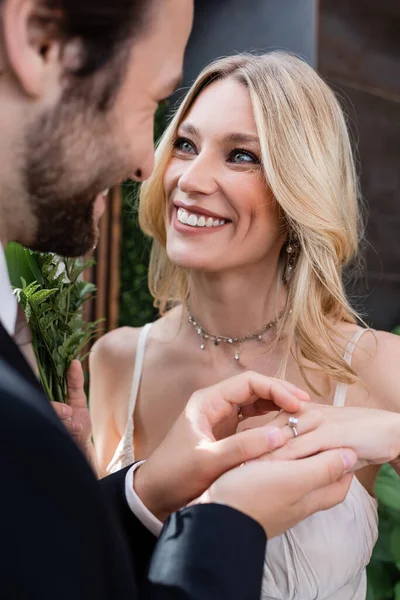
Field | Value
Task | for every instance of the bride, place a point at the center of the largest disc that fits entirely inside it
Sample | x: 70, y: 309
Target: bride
x: 253, y: 211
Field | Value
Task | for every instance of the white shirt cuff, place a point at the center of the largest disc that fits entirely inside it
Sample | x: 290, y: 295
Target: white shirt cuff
x: 136, y: 505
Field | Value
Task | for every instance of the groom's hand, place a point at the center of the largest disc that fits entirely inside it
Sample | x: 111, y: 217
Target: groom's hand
x: 279, y: 494
x: 196, y: 451
x: 75, y: 414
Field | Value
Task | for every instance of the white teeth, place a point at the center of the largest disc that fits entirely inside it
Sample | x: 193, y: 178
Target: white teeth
x: 183, y: 217
x: 197, y: 220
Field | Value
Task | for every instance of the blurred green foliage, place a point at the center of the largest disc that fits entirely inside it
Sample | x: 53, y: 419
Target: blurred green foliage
x: 384, y: 568
x: 136, y: 304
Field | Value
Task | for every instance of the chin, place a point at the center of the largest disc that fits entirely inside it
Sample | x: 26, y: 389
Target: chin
x: 68, y: 227
x: 68, y: 248
x: 77, y: 240
x: 192, y: 261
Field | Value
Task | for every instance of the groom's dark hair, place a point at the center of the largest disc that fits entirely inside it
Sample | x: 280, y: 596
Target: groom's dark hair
x: 102, y: 26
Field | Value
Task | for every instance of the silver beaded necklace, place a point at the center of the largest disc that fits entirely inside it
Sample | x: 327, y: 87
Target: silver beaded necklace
x: 204, y: 334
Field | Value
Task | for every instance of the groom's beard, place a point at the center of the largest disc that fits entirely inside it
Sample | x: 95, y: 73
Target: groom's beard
x: 70, y: 158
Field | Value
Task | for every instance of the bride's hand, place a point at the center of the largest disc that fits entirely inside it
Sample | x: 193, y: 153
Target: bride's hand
x: 75, y: 414
x: 196, y: 452
x: 373, y: 434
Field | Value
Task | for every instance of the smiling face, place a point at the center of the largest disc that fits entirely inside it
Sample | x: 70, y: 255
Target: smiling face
x: 220, y: 213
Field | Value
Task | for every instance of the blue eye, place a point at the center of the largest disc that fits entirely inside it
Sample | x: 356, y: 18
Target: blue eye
x: 243, y: 156
x: 183, y: 145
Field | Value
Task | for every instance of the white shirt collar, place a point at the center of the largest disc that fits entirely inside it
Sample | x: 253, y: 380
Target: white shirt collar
x: 8, y: 301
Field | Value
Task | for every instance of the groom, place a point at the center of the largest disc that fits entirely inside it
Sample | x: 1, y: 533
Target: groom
x: 79, y: 83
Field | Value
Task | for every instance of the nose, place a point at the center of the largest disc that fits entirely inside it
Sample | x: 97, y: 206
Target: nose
x: 198, y: 176
x: 145, y: 168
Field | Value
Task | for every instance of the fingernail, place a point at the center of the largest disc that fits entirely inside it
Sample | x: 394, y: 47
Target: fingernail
x: 274, y: 438
x: 349, y: 459
x: 66, y: 411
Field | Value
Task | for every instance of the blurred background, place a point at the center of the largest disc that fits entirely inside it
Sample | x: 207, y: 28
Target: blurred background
x: 355, y: 46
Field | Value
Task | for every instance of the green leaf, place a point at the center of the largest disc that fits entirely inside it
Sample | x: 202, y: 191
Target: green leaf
x: 34, y: 265
x: 30, y: 289
x: 87, y: 288
x: 41, y: 296
x: 20, y: 264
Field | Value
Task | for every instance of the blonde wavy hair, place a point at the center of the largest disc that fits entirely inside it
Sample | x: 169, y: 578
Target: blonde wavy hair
x: 309, y: 167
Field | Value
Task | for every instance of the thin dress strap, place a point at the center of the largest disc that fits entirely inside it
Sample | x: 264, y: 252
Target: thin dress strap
x: 124, y: 454
x: 341, y: 388
x: 137, y: 371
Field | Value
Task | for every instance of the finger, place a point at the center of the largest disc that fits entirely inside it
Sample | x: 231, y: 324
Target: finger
x: 77, y: 428
x: 312, y: 442
x: 74, y: 429
x: 261, y: 407
x: 306, y: 423
x: 323, y: 469
x: 249, y: 387
x: 288, y: 451
x: 328, y: 496
x: 296, y: 391
x: 245, y: 446
x: 75, y: 386
x: 63, y: 411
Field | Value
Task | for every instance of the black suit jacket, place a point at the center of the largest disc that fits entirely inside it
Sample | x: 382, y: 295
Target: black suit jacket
x: 64, y: 535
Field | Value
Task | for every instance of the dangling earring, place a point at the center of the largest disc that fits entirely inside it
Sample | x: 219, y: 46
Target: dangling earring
x: 292, y: 251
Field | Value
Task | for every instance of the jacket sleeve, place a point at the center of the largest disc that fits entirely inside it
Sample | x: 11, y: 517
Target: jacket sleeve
x: 140, y: 540
x: 205, y: 552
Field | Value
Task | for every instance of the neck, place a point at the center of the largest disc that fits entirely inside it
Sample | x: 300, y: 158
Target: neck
x: 236, y: 304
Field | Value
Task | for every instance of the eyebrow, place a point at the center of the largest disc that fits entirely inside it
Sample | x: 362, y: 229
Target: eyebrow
x: 236, y: 138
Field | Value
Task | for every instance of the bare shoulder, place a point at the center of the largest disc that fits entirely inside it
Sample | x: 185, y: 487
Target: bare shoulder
x: 111, y: 364
x: 376, y: 360
x: 377, y: 349
x: 115, y: 347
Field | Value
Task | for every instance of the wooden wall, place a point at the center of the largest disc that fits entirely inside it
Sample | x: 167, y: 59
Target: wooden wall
x: 359, y: 55
x: 105, y: 272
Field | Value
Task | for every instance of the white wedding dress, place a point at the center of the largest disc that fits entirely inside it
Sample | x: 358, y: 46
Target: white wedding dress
x: 322, y: 558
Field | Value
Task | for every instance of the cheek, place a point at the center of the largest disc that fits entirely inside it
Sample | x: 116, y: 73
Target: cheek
x: 171, y: 177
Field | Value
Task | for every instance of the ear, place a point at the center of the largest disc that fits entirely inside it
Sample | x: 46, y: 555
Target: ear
x: 30, y: 48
